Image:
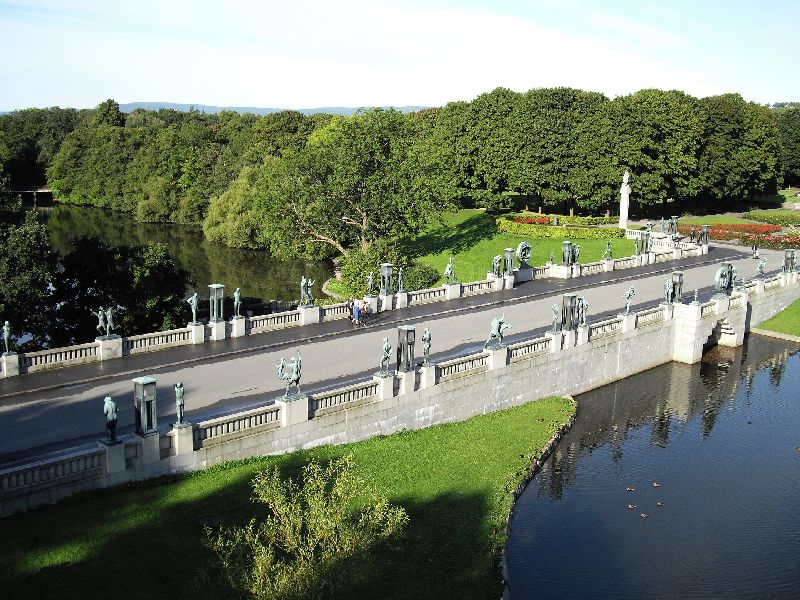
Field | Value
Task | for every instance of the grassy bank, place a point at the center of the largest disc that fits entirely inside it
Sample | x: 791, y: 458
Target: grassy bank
x: 471, y: 237
x: 145, y: 540
x: 787, y: 321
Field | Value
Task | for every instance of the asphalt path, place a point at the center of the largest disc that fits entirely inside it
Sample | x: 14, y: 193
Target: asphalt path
x: 52, y: 412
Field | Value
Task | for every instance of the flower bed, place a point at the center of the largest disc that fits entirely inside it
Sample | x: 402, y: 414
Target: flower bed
x: 777, y: 242
x: 732, y: 231
x: 532, y: 220
x: 778, y: 217
x: 507, y: 225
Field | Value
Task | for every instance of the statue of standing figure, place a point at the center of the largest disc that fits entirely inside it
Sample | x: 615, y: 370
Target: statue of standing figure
x: 111, y: 413
x: 497, y: 261
x: 449, y: 272
x: 192, y: 302
x: 556, y: 309
x: 552, y: 258
x: 628, y: 299
x: 497, y: 328
x: 582, y: 307
x: 303, y: 298
x: 608, y: 253
x: 370, y: 283
x: 400, y: 281
x: 636, y: 250
x: 237, y: 303
x: 110, y: 327
x: 101, y: 319
x: 179, y: 403
x: 668, y: 290
x: 292, y: 378
x: 386, y: 357
x: 662, y: 225
x: 692, y: 234
x: 576, y: 254
x: 309, y: 291
x: 426, y: 346
x: 7, y: 335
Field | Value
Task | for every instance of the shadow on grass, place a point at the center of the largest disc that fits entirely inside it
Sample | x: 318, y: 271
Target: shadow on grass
x: 457, y: 238
x: 144, y: 541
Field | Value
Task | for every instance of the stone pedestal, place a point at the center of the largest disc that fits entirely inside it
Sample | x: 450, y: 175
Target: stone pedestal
x: 110, y: 347
x: 217, y: 329
x: 723, y: 303
x: 640, y: 260
x: 557, y: 341
x: 560, y: 272
x: 198, y: 331
x: 387, y: 302
x: 115, y: 461
x: 497, y: 282
x: 669, y: 310
x: 10, y: 364
x: 238, y: 327
x: 628, y: 322
x: 183, y: 439
x: 582, y: 335
x: 577, y: 270
x: 688, y: 347
x: 523, y: 274
x: 401, y: 299
x: 508, y: 281
x: 704, y: 249
x: 651, y: 258
x: 452, y: 290
x: 151, y: 452
x: 294, y: 409
x: 677, y: 254
x: 608, y: 264
x: 372, y: 303
x: 309, y: 314
x: 498, y: 358
x: 427, y: 376
x: 385, y: 386
x: 407, y: 382
x: 570, y: 336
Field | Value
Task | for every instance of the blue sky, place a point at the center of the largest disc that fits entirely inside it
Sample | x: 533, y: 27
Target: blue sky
x: 304, y: 54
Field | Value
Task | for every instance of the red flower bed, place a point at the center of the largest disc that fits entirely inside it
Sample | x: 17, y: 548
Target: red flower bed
x: 777, y: 242
x: 533, y: 220
x: 731, y: 231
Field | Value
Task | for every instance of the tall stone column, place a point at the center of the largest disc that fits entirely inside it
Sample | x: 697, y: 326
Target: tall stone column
x: 624, y: 201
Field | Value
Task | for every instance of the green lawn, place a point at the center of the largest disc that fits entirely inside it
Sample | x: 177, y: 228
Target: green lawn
x: 471, y: 237
x: 712, y: 220
x: 786, y: 321
x: 144, y: 540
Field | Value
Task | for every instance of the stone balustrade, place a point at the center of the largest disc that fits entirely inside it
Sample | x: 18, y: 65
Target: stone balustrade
x: 455, y: 389
x: 105, y: 349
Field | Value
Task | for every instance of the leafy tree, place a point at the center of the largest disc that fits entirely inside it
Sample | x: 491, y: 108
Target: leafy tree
x: 142, y: 283
x: 317, y: 537
x: 108, y: 113
x: 230, y: 218
x: 27, y: 269
x: 789, y: 126
x: 345, y: 189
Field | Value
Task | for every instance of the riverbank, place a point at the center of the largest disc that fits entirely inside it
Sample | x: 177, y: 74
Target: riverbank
x: 785, y: 325
x: 456, y: 481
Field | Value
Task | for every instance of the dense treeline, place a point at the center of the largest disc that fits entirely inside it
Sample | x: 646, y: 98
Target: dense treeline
x: 789, y: 124
x: 322, y: 185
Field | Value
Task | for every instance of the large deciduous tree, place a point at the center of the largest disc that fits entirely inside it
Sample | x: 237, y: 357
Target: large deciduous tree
x: 789, y: 125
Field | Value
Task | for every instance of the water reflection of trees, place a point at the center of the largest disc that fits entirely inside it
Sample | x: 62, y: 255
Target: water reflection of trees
x: 256, y: 272
x: 665, y: 397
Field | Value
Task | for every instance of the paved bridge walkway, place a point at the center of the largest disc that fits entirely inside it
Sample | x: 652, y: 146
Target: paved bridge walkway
x: 44, y: 413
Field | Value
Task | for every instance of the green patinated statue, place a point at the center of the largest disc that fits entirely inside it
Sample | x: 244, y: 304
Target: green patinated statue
x: 386, y: 357
x: 110, y: 410
x: 237, y: 303
x: 449, y: 272
x: 7, y: 335
x: 497, y: 329
x: 192, y: 302
x: 426, y: 346
x: 101, y: 319
x: 628, y: 299
x: 179, y: 403
x: 110, y: 327
x: 400, y: 280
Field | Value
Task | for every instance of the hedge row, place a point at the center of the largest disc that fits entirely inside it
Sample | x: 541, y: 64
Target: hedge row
x: 777, y: 217
x: 566, y: 219
x: 561, y: 233
x: 777, y: 242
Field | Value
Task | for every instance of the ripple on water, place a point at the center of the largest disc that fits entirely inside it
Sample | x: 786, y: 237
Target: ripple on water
x: 720, y: 441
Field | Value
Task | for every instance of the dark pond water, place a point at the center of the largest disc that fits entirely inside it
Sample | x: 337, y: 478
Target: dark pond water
x: 720, y: 438
x: 257, y: 273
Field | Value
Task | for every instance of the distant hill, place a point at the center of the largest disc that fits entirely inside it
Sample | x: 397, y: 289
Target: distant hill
x: 334, y: 110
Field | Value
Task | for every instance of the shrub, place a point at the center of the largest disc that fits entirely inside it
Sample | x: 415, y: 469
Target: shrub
x: 317, y: 536
x: 781, y: 217
x: 567, y: 219
x: 562, y: 233
x: 356, y: 266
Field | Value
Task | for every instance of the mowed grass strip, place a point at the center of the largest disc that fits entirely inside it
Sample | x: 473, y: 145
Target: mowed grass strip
x: 470, y: 236
x: 145, y: 540
x: 787, y: 321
